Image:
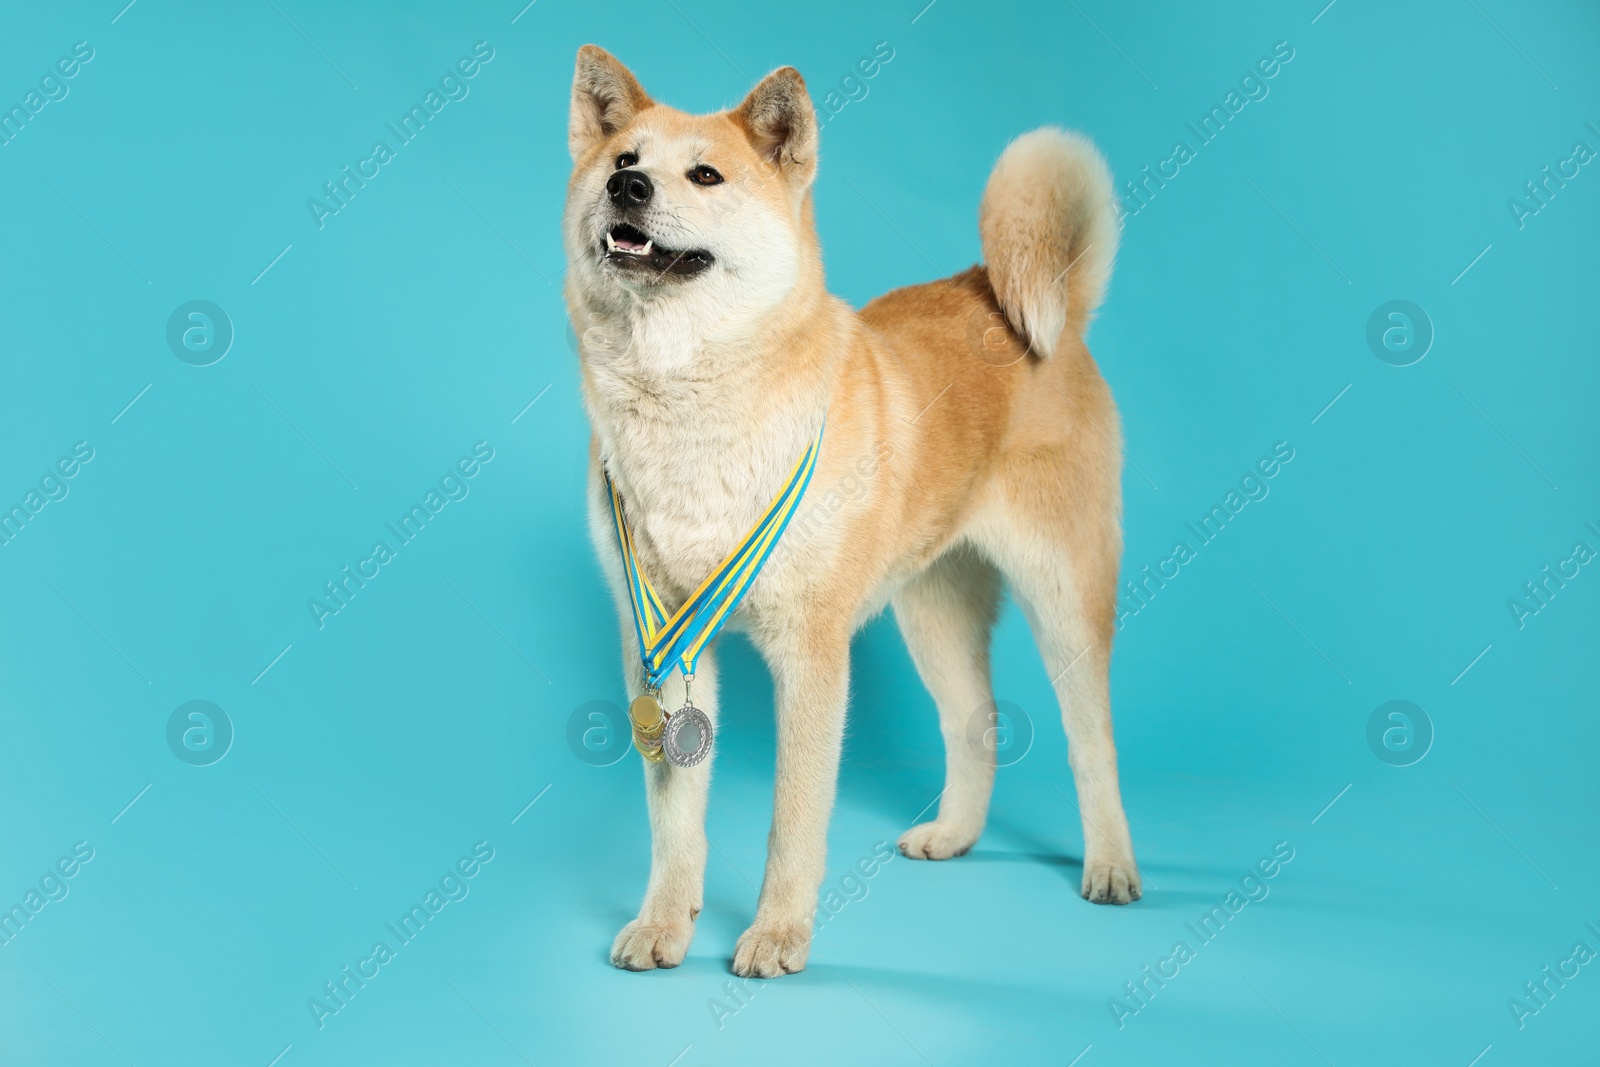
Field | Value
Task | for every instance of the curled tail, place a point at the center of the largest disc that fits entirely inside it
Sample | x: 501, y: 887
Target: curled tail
x: 1049, y: 234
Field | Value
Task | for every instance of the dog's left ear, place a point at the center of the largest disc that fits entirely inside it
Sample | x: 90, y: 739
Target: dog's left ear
x: 781, y: 123
x: 605, y: 98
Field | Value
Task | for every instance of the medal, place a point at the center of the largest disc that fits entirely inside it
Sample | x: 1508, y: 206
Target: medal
x: 645, y: 715
x: 686, y: 739
x: 682, y: 738
x: 675, y: 642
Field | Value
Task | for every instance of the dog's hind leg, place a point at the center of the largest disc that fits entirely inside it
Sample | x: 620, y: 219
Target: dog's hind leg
x: 946, y: 614
x: 1055, y: 536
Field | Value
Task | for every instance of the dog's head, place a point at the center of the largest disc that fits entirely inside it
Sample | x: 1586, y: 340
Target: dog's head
x: 663, y: 204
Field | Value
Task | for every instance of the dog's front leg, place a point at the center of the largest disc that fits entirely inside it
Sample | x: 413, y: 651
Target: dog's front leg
x: 660, y: 936
x: 812, y: 678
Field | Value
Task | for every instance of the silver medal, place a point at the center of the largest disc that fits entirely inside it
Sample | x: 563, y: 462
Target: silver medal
x: 687, y: 738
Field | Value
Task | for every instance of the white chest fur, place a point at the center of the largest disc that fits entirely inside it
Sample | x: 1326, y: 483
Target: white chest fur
x: 697, y: 456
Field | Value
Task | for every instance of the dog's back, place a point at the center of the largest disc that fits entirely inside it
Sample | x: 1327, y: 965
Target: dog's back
x: 997, y: 351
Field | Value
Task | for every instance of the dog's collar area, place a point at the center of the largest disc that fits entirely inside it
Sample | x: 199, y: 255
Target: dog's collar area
x: 630, y: 248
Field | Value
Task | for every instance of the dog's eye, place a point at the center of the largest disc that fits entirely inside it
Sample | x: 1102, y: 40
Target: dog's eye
x: 703, y: 175
x: 627, y: 159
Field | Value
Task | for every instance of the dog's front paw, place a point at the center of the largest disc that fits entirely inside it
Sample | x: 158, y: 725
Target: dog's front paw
x: 936, y: 841
x: 769, y: 950
x: 1111, y: 882
x: 643, y: 945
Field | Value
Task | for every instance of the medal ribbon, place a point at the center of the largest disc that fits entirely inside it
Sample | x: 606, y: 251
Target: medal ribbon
x: 676, y: 641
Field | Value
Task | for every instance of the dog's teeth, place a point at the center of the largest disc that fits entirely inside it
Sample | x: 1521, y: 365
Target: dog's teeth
x: 611, y: 243
x: 648, y: 245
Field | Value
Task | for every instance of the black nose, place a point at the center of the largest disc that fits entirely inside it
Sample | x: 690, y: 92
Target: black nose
x: 629, y: 188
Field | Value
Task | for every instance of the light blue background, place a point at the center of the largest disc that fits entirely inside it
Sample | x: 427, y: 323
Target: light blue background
x: 430, y: 712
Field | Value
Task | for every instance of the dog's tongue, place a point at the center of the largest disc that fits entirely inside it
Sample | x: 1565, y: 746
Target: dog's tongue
x: 627, y: 245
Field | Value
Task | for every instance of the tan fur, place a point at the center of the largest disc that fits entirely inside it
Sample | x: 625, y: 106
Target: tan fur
x: 954, y: 457
x: 1049, y: 233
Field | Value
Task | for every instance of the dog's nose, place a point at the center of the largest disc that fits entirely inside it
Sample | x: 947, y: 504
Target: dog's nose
x: 629, y: 188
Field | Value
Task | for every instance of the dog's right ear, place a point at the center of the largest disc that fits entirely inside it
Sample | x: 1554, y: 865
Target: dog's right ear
x: 605, y: 98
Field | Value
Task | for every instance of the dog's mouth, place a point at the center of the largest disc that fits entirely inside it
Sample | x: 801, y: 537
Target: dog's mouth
x: 630, y: 248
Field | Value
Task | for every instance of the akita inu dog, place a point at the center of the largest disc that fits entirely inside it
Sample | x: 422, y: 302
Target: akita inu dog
x: 969, y: 440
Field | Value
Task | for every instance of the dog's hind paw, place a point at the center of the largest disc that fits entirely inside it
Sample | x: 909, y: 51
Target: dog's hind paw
x: 770, y: 951
x: 643, y: 946
x: 936, y: 841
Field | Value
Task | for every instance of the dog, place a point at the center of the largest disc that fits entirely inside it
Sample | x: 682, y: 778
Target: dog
x: 970, y: 441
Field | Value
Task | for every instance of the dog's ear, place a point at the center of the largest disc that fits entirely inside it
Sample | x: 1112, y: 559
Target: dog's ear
x: 781, y: 123
x: 605, y: 98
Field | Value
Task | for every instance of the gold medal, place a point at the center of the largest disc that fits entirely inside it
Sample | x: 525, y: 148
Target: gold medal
x: 645, y: 715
